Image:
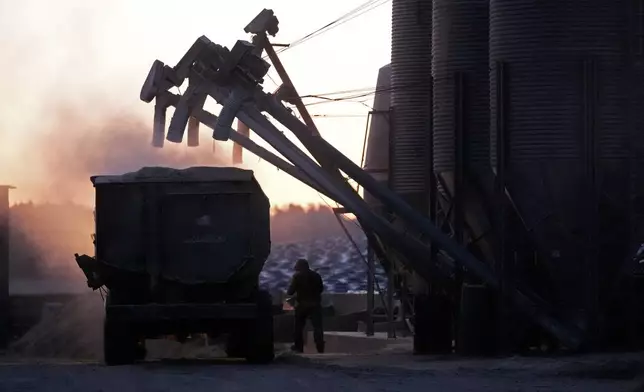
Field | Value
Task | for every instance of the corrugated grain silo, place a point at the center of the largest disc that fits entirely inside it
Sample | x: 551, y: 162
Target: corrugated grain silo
x: 461, y: 114
x: 460, y: 46
x: 559, y: 84
x: 377, y: 154
x: 411, y: 100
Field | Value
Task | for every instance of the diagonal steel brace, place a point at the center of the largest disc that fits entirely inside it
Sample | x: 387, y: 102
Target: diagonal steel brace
x: 247, y: 103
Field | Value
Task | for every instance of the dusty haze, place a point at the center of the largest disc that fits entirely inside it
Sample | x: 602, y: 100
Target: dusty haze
x: 44, y: 237
x: 75, y: 147
x: 70, y: 73
x: 70, y: 106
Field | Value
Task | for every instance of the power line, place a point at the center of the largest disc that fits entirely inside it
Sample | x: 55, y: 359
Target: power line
x: 356, y: 90
x: 338, y: 115
x: 355, y: 96
x: 349, y: 94
x: 359, y: 96
x: 363, y: 91
x: 356, y: 12
x: 363, y: 103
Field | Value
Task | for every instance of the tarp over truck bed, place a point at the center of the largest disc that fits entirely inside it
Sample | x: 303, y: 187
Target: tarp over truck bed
x: 201, y: 225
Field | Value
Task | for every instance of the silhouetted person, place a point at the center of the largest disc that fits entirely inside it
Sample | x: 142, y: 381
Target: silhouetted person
x: 307, y: 287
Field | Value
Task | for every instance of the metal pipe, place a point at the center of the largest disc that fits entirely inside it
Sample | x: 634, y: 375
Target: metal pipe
x: 281, y: 71
x: 278, y: 162
x: 522, y: 301
x: 413, y: 250
x: 193, y: 132
x: 324, y: 160
x: 371, y: 271
x: 404, y: 298
x: 238, y: 149
x: 460, y: 148
x: 352, y: 201
x: 181, y: 115
x: 501, y: 259
x: 432, y: 183
x: 389, y: 198
x: 210, y: 120
x: 391, y: 329
x: 158, y: 125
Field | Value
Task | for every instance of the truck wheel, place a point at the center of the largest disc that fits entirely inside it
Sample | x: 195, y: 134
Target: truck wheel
x: 260, y: 332
x: 236, y: 345
x: 120, y: 347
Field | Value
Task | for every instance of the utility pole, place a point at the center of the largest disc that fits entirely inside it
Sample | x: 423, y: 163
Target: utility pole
x: 5, y: 319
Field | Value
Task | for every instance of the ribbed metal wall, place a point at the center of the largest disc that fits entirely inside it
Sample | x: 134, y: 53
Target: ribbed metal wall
x: 637, y: 131
x: 411, y: 98
x: 377, y: 154
x: 548, y: 124
x: 460, y: 44
x: 544, y: 45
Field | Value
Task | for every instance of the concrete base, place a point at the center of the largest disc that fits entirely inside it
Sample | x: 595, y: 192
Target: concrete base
x: 353, y: 342
x: 383, y: 326
x: 284, y: 324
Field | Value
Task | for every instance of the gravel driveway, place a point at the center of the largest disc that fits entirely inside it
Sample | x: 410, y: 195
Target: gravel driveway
x: 195, y: 376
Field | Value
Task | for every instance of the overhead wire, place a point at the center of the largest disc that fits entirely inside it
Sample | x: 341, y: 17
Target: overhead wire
x: 339, y: 115
x: 355, y: 93
x: 362, y: 9
x: 361, y: 102
x: 358, y: 93
x: 272, y: 80
x: 363, y: 89
x: 358, y: 96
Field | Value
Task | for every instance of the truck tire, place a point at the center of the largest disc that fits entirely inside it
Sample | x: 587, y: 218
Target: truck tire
x: 260, y: 348
x: 236, y: 345
x: 120, y: 346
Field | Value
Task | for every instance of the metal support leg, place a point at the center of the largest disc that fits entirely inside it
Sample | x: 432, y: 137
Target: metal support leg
x: 592, y: 214
x: 460, y: 152
x: 391, y: 327
x: 414, y: 250
x: 243, y: 130
x: 521, y: 299
x: 389, y: 198
x: 352, y: 201
x: 501, y: 148
x: 371, y: 270
x: 5, y: 316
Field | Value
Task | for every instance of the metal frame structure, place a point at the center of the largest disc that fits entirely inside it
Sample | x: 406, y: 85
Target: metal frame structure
x: 234, y: 79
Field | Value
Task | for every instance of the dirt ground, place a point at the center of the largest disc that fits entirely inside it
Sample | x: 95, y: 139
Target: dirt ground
x: 286, y: 374
x: 63, y: 353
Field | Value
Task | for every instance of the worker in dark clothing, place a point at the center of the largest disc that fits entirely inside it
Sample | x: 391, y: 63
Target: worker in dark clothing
x: 307, y: 287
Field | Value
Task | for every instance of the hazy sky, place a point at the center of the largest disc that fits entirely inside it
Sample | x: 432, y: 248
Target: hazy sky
x: 88, y: 59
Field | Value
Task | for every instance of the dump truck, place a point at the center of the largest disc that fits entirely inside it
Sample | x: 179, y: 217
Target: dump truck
x: 179, y: 252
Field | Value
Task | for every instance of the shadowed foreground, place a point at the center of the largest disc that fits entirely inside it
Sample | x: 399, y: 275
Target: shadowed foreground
x: 287, y: 374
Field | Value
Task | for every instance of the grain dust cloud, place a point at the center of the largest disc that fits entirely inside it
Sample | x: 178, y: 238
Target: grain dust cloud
x: 71, y: 73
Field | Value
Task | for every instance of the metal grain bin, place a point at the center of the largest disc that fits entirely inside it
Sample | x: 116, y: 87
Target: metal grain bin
x: 563, y: 70
x: 202, y: 225
x: 411, y: 99
x: 460, y: 45
x: 377, y: 154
